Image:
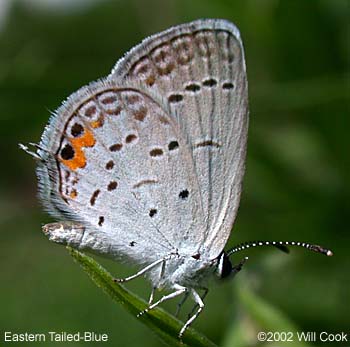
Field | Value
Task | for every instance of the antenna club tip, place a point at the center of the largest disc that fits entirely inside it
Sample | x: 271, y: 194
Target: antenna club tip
x: 329, y: 253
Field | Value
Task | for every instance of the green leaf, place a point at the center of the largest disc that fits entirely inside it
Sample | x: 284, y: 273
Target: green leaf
x: 160, y: 322
x: 257, y: 315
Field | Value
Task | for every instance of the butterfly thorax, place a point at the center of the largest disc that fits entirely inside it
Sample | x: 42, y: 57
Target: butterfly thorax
x: 192, y: 271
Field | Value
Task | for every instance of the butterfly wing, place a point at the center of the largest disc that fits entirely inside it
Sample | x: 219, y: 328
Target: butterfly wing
x: 114, y: 161
x: 199, y: 70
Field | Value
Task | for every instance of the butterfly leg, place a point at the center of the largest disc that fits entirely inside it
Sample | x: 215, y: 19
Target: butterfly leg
x: 206, y: 290
x: 199, y: 302
x: 179, y: 290
x: 161, y: 274
x: 144, y: 270
x: 150, y: 300
x: 179, y: 305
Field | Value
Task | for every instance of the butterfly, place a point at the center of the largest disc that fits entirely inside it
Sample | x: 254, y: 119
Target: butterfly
x: 147, y: 164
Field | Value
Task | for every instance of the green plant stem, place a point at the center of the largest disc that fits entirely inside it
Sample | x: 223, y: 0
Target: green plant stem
x: 160, y: 322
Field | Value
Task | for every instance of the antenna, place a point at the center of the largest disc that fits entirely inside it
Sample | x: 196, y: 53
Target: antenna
x: 281, y: 245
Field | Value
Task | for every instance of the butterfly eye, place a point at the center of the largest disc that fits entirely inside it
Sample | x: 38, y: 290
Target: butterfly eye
x: 224, y: 268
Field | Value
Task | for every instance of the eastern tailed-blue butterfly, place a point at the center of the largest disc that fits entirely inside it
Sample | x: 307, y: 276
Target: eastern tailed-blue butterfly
x: 147, y: 164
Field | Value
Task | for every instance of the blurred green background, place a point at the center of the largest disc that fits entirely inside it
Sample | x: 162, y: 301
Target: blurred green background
x: 296, y: 185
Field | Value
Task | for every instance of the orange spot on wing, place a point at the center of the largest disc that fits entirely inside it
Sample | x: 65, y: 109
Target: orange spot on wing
x: 87, y: 140
x: 97, y: 123
x: 79, y: 159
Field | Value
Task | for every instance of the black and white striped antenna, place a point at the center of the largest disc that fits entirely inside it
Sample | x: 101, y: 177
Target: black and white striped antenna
x: 281, y: 245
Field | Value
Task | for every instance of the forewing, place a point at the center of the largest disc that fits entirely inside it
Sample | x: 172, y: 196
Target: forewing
x: 199, y: 70
x: 116, y: 162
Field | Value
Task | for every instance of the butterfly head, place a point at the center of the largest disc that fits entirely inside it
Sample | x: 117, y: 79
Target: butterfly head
x: 224, y: 266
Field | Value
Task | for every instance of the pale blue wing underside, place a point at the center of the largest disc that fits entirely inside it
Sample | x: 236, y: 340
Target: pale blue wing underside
x: 159, y: 164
